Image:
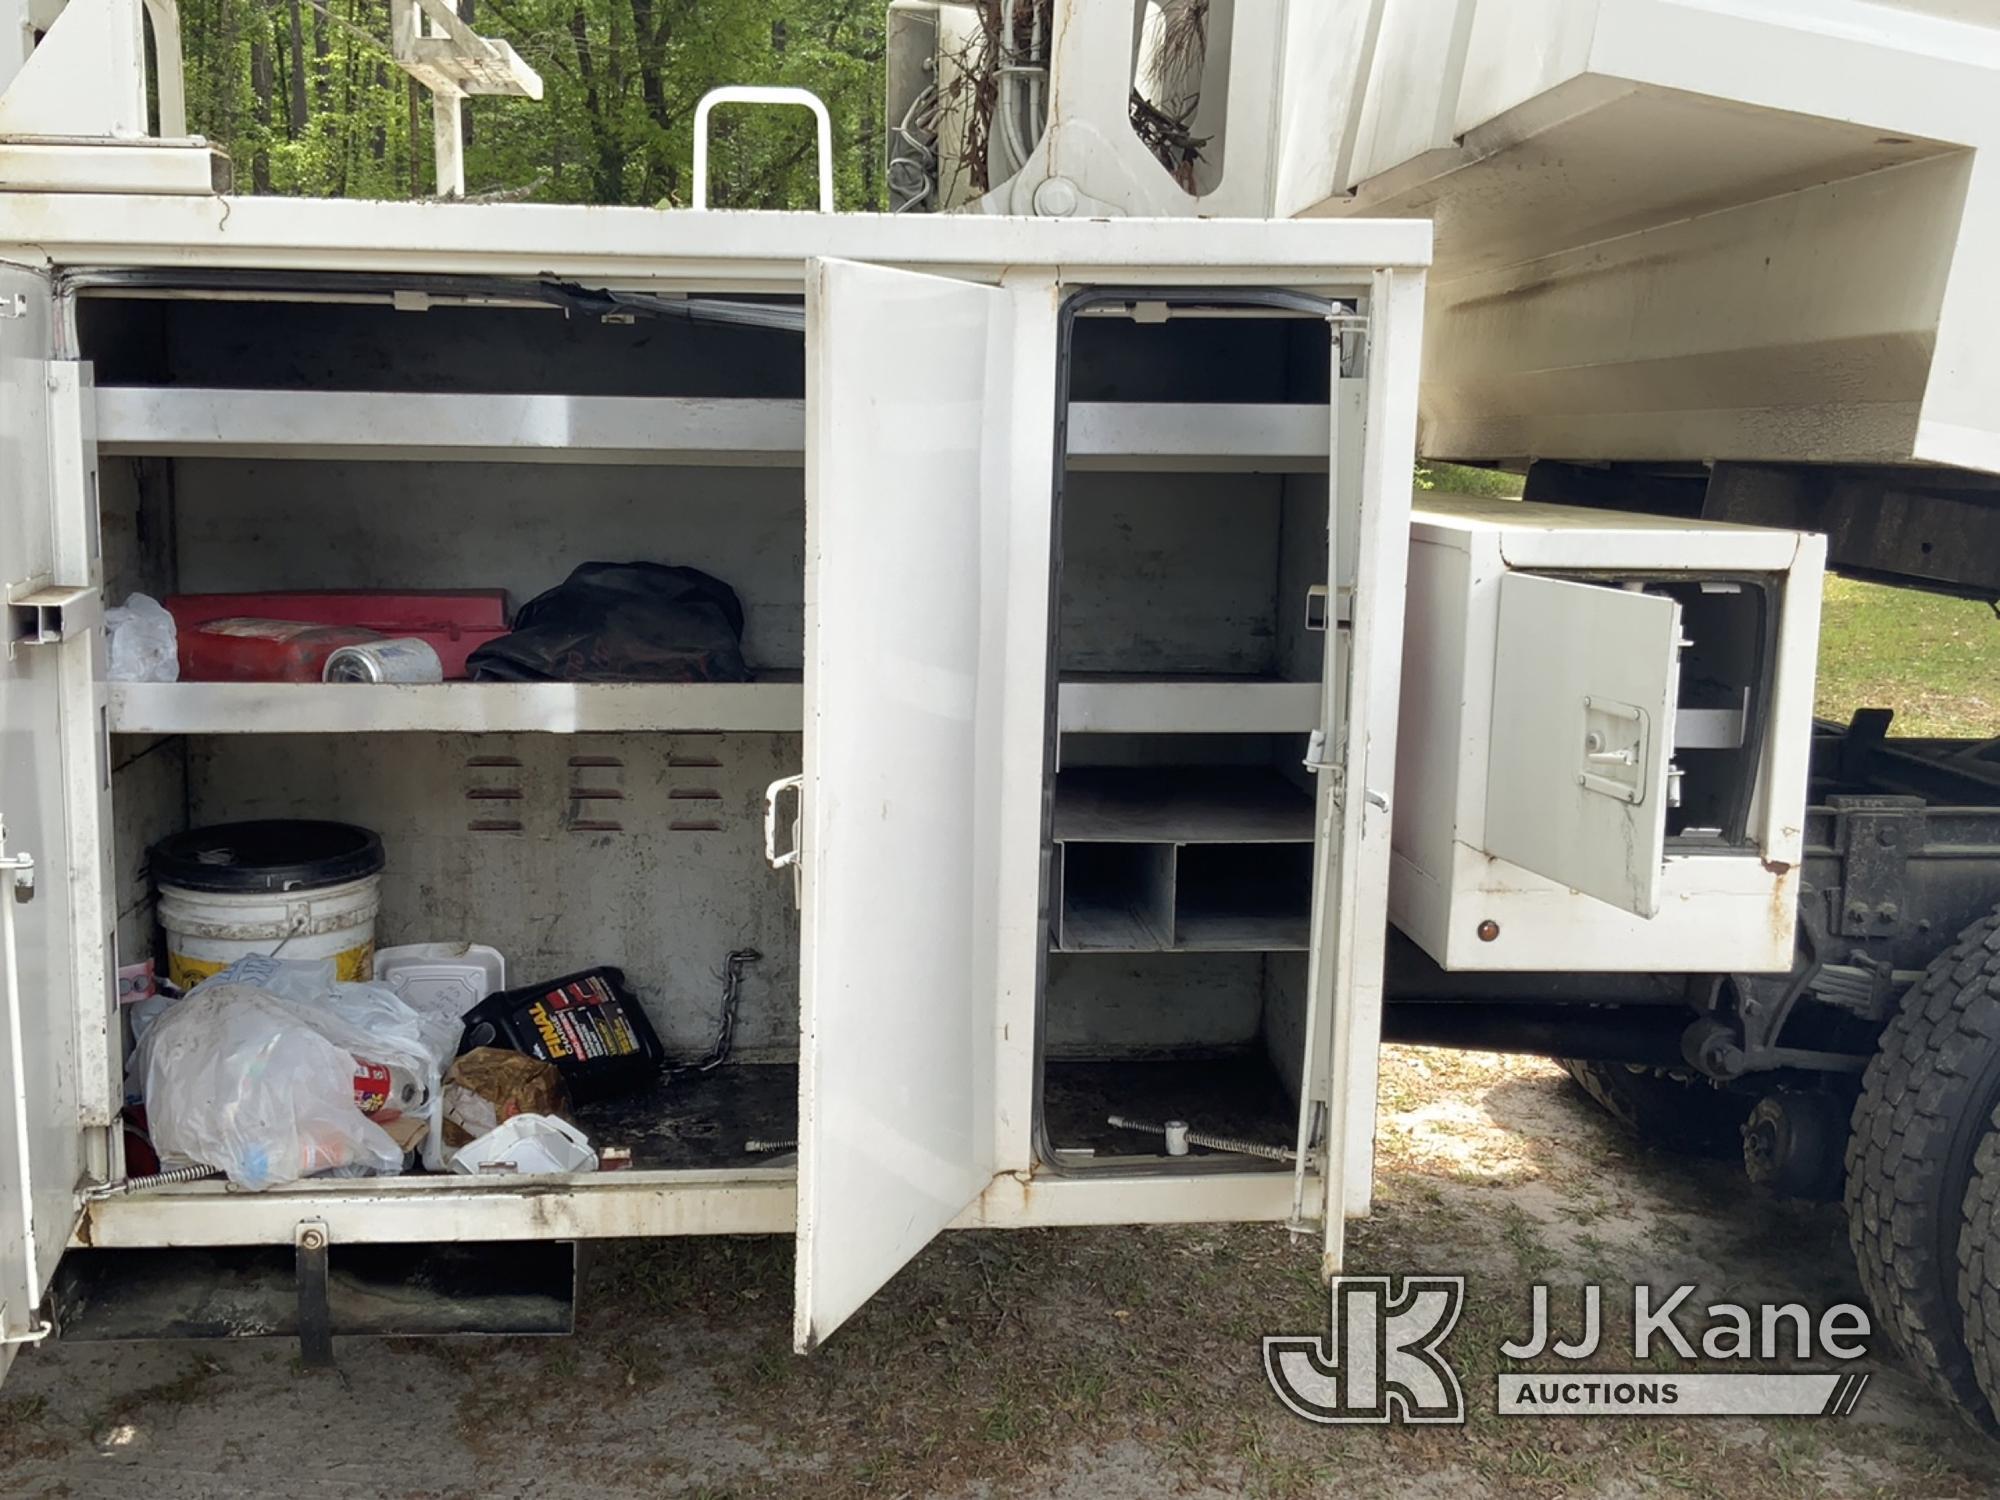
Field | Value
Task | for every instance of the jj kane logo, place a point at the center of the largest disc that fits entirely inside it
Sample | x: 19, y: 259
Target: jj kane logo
x: 1381, y: 1358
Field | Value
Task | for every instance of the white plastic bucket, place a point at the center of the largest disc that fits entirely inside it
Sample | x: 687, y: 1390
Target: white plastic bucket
x: 207, y: 931
x: 275, y: 888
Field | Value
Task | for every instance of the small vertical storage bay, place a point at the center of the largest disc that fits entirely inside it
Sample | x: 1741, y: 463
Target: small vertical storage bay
x: 1182, y: 834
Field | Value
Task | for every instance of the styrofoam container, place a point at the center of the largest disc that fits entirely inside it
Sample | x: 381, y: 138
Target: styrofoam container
x: 441, y: 979
x: 527, y: 1143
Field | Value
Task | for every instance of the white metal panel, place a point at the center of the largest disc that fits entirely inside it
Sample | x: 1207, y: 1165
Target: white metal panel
x: 639, y: 246
x: 1412, y: 94
x: 1728, y: 913
x: 41, y: 1144
x: 1734, y: 264
x: 908, y: 486
x: 634, y: 1205
x: 1585, y: 682
x: 1368, y: 521
x: 1553, y: 538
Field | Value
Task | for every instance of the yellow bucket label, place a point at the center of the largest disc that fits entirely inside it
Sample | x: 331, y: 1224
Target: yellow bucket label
x: 350, y: 966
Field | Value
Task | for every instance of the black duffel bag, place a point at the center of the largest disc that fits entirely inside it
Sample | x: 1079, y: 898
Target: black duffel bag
x: 622, y: 622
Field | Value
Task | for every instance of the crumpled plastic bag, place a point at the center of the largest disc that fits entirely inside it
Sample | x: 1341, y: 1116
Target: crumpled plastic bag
x: 141, y: 644
x: 252, y: 1072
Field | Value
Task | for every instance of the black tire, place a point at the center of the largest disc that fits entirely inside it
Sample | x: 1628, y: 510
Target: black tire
x: 1979, y: 1267
x: 1668, y: 1110
x: 1926, y: 1103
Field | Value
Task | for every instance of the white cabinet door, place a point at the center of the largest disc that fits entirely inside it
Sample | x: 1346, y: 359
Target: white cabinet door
x: 1373, y: 432
x: 41, y: 1137
x: 908, y: 477
x: 1585, y: 680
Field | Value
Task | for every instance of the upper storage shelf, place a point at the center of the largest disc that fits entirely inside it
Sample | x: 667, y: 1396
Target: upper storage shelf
x: 774, y: 705
x: 190, y: 421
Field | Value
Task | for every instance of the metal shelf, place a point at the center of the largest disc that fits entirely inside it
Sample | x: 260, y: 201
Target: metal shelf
x: 189, y: 422
x: 451, y: 707
x: 1108, y: 704
x: 775, y: 704
x: 1180, y: 805
x: 1184, y: 859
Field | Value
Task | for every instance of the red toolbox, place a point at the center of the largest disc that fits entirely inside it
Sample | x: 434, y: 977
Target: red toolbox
x: 455, y: 622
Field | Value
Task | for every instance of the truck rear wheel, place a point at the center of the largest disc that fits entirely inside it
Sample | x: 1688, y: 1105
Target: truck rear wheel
x: 1667, y: 1110
x: 1979, y: 1267
x: 1926, y: 1103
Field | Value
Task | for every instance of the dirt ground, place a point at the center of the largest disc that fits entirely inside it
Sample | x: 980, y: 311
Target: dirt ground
x: 1084, y: 1363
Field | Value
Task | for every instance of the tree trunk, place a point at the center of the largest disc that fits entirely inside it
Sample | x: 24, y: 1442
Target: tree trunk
x: 322, y: 26
x: 298, y: 71
x: 416, y: 140
x: 348, y: 134
x: 225, y: 79
x: 607, y: 172
x: 262, y: 85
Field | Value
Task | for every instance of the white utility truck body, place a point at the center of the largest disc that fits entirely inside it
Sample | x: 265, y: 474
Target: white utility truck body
x: 212, y: 393
x: 1073, y: 538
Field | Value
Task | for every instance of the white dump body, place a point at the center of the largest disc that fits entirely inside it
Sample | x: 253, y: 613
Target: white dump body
x: 1675, y: 229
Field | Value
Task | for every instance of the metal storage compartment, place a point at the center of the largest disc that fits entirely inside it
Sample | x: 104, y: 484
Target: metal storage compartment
x: 1631, y: 797
x: 866, y: 455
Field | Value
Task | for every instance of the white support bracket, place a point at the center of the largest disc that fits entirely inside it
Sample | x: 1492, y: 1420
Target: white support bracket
x: 433, y: 45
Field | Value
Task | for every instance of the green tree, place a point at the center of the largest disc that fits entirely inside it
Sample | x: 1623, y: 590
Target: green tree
x: 303, y: 96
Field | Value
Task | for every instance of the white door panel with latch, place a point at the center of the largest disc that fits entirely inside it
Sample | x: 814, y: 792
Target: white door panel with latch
x: 1585, y: 680
x: 50, y: 778
x: 909, y: 486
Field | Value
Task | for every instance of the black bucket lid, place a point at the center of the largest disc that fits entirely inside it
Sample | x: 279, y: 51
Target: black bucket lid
x: 273, y: 854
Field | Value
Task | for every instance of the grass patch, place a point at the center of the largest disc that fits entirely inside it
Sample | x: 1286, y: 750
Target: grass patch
x: 1458, y: 479
x: 1929, y: 657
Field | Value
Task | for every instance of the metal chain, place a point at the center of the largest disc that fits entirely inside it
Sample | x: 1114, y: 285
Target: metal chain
x: 732, y: 999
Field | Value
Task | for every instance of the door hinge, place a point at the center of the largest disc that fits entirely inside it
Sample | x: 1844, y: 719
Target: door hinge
x: 1318, y: 764
x: 45, y: 616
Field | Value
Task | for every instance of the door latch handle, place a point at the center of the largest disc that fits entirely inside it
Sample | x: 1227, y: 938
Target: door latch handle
x: 772, y: 794
x: 23, y: 866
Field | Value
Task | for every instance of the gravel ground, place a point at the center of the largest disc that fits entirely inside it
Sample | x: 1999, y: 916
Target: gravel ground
x: 1086, y: 1363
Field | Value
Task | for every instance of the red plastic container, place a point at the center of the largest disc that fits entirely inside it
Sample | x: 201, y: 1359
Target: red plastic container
x: 244, y: 649
x: 455, y: 622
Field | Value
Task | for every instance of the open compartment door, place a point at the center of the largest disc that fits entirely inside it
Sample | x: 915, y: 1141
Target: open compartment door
x: 908, y: 436
x: 46, y: 756
x: 1372, y: 430
x: 1585, y: 681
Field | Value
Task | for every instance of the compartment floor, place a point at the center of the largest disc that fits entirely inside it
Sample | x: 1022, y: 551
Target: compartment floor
x: 703, y: 1120
x: 1237, y: 1095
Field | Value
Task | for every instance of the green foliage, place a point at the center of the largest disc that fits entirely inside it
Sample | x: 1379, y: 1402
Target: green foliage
x: 1457, y: 479
x: 1927, y: 656
x: 305, y: 99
